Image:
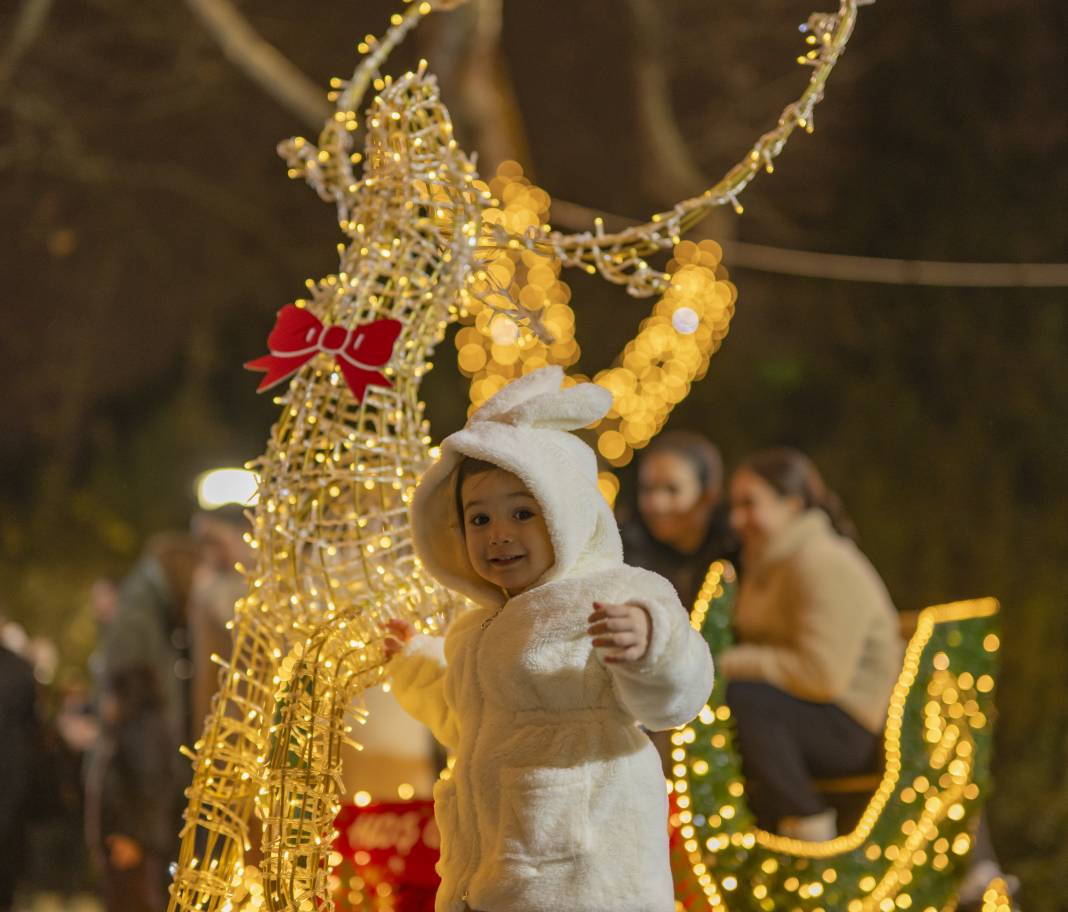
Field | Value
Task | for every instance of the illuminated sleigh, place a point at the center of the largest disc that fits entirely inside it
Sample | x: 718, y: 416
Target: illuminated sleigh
x: 912, y: 842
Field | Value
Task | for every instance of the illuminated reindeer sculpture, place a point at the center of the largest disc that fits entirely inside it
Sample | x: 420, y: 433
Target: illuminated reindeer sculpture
x: 331, y: 538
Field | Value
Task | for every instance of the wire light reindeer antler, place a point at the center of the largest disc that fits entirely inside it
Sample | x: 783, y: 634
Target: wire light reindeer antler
x: 620, y: 257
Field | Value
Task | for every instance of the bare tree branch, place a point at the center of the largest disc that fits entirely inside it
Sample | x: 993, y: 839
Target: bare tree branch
x: 887, y: 271
x: 28, y: 27
x: 261, y: 61
x: 672, y: 173
x: 466, y: 49
x: 491, y: 96
x: 843, y: 267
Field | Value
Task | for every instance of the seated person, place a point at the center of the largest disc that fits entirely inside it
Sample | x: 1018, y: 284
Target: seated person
x: 818, y: 649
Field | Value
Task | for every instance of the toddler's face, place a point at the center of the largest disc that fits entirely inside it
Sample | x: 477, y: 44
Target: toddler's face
x: 507, y: 540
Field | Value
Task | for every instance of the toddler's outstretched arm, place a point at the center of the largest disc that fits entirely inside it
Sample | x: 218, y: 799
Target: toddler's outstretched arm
x: 417, y: 676
x: 661, y: 666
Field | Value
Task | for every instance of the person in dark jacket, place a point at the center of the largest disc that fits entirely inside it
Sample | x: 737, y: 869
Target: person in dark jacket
x: 150, y: 625
x: 681, y: 524
x: 18, y: 729
x: 131, y: 827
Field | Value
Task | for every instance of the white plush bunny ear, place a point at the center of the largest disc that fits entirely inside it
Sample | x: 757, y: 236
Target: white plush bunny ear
x: 536, y: 400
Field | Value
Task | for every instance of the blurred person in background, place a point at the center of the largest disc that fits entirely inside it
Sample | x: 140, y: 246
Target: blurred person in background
x: 818, y: 649
x: 150, y: 628
x: 217, y: 585
x: 68, y: 728
x: 103, y: 606
x: 819, y: 653
x: 18, y: 729
x: 681, y: 523
x: 130, y: 825
x: 150, y: 622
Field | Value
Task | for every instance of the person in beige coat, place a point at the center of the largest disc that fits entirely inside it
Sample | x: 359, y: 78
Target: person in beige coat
x: 556, y: 799
x: 819, y: 649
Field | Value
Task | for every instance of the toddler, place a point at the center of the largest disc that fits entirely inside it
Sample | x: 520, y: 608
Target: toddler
x: 556, y: 800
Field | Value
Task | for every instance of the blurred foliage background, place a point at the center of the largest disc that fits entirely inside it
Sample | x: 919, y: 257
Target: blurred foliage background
x: 151, y: 234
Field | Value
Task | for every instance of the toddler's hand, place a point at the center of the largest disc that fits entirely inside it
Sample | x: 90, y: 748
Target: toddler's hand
x: 623, y: 629
x: 400, y: 633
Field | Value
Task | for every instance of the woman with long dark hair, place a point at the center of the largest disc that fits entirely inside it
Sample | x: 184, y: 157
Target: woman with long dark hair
x: 680, y: 523
x: 819, y: 649
x: 680, y: 526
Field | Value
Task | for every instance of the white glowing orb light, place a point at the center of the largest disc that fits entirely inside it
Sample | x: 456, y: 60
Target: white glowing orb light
x: 685, y: 321
x: 227, y: 486
x: 504, y: 331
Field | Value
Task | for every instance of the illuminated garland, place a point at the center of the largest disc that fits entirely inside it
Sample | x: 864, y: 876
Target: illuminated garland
x: 494, y: 350
x: 670, y: 353
x: 996, y: 897
x: 657, y: 368
x: 910, y: 847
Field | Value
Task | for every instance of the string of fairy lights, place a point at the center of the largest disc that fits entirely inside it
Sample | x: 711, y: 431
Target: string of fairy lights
x: 910, y: 845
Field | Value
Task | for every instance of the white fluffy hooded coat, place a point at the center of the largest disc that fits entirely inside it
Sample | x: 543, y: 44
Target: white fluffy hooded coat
x: 556, y: 800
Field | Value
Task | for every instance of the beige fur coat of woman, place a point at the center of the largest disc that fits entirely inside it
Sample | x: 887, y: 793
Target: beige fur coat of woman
x: 816, y: 621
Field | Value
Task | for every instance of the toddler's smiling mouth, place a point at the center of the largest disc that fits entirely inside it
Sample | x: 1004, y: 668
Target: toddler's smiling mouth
x: 507, y: 560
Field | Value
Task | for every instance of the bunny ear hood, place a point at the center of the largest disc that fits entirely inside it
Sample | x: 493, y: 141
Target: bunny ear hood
x: 525, y: 430
x: 537, y: 401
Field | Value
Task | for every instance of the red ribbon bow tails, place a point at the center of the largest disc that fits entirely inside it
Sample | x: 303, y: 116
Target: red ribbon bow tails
x: 299, y: 335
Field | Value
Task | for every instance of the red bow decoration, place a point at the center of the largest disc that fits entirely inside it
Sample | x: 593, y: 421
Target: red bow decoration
x: 299, y: 335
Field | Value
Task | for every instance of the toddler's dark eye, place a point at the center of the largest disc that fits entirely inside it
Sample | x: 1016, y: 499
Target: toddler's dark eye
x: 479, y: 519
x: 523, y: 513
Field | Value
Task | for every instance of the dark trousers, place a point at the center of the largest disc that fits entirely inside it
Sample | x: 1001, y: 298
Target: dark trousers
x: 12, y: 864
x: 139, y: 889
x: 786, y: 743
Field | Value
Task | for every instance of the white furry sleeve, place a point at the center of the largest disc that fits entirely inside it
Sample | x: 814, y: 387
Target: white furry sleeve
x: 417, y: 676
x: 671, y: 683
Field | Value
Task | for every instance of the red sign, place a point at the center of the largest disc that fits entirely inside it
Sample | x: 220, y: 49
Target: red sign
x: 389, y: 851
